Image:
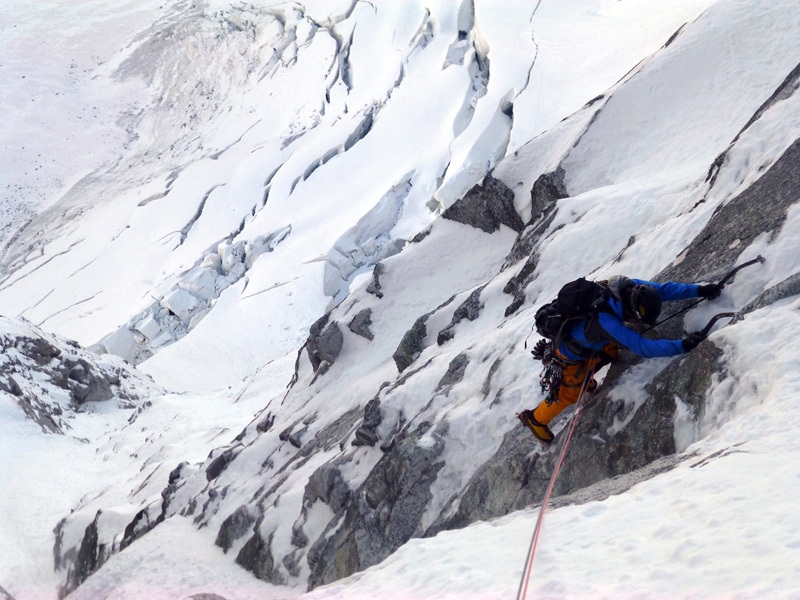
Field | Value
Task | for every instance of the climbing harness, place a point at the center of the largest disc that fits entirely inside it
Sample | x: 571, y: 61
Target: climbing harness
x: 526, y: 571
x: 552, y: 371
x: 552, y: 375
x: 550, y: 380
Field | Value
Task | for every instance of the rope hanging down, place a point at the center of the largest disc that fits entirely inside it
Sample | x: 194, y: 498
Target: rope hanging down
x: 526, y: 571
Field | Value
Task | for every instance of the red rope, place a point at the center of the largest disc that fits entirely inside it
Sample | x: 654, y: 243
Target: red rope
x: 526, y: 572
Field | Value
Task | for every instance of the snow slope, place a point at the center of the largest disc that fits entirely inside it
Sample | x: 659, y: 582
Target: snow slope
x: 270, y: 156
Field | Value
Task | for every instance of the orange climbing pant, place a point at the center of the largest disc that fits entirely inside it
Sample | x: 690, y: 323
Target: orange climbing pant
x: 572, y: 378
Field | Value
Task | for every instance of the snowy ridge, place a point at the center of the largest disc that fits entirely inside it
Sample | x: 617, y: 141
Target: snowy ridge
x: 329, y: 239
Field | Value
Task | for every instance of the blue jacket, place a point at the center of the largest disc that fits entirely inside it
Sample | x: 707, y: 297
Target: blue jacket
x: 613, y: 324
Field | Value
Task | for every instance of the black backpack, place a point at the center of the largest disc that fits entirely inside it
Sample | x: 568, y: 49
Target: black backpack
x: 579, y: 299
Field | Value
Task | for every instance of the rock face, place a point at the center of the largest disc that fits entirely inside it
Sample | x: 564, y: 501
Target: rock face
x: 385, y: 511
x: 486, y: 207
x: 360, y: 324
x: 470, y: 309
x: 759, y: 209
x: 49, y: 376
x: 411, y: 345
x: 324, y: 343
x: 401, y: 454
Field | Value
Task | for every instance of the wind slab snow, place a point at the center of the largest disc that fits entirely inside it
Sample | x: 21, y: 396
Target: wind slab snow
x: 249, y: 202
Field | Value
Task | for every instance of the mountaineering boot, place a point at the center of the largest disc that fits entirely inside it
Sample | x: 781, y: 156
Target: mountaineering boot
x: 542, y: 432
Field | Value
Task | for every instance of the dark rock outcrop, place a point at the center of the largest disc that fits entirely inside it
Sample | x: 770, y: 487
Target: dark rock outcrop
x: 256, y: 557
x: 234, y: 527
x: 385, y: 512
x: 486, y: 206
x: 36, y: 369
x: 374, y: 287
x: 454, y: 374
x: 324, y: 342
x: 513, y: 479
x: 366, y: 434
x: 328, y: 485
x: 470, y: 309
x: 360, y: 324
x: 220, y: 462
x: 785, y: 289
x: 411, y: 346
x: 4, y: 595
x: 91, y: 556
x: 546, y: 192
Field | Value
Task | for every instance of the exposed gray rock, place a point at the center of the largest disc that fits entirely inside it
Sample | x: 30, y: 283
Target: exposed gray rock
x: 38, y: 349
x: 759, y: 209
x: 256, y: 557
x: 90, y: 557
x: 411, y: 346
x: 548, y: 189
x: 292, y: 435
x: 330, y: 343
x: 374, y: 287
x: 205, y: 596
x: 44, y: 414
x: 324, y: 342
x: 87, y: 384
x: 486, y: 206
x: 455, y: 372
x: 36, y: 369
x: 517, y: 475
x: 266, y: 423
x: 524, y: 248
x: 470, y: 309
x: 328, y: 485
x: 360, y: 324
x: 785, y: 289
x: 220, y: 462
x: 366, y: 434
x: 151, y: 515
x: 234, y: 527
x: 385, y: 511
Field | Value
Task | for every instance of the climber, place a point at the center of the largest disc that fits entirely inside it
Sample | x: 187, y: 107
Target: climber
x: 589, y: 343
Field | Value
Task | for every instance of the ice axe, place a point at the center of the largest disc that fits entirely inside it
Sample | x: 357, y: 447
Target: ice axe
x: 723, y: 281
x: 735, y: 316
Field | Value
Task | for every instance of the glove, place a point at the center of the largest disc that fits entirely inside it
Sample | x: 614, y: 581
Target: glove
x: 709, y: 291
x: 691, y: 341
x: 539, y: 349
